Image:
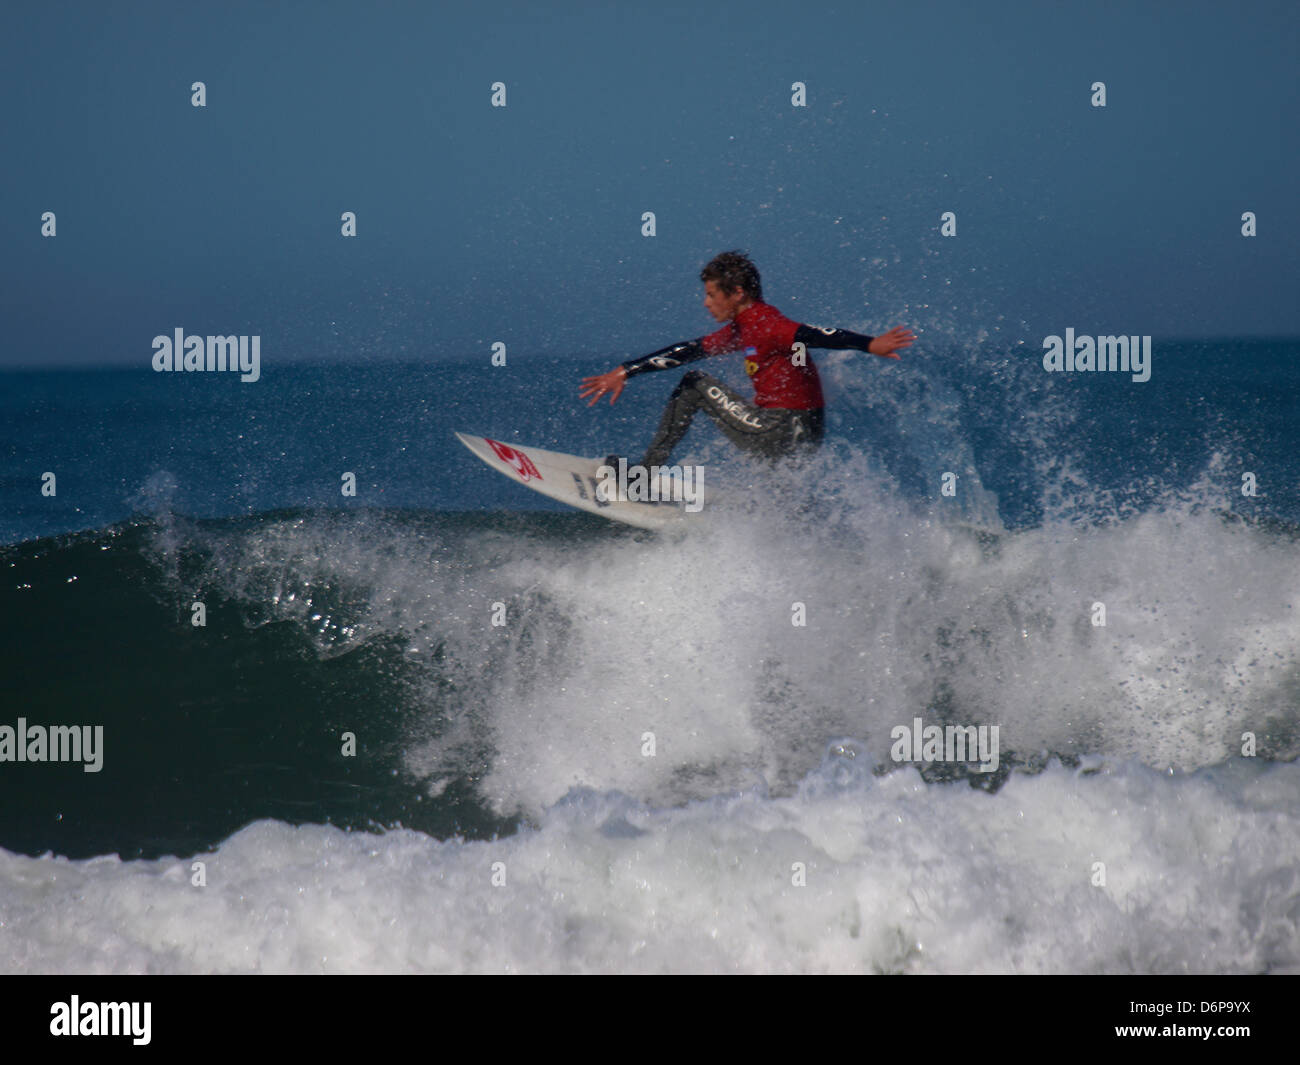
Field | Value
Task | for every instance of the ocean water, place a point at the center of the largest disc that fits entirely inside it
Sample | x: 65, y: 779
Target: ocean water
x: 648, y: 766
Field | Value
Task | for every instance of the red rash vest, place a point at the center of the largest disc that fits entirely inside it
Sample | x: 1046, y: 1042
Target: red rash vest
x: 766, y: 336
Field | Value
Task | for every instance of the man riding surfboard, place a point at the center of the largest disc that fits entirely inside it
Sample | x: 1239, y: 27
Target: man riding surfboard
x: 787, y: 413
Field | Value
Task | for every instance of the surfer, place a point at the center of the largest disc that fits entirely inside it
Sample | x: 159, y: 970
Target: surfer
x: 787, y: 413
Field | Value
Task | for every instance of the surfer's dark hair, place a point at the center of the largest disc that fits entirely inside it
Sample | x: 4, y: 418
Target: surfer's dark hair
x: 733, y: 270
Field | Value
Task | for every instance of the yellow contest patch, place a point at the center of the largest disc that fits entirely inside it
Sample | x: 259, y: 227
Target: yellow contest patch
x: 751, y: 367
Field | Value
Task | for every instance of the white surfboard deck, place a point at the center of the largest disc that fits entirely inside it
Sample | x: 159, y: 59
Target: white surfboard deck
x: 573, y: 480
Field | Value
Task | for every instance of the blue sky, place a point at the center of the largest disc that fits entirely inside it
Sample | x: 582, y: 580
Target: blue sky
x: 523, y: 223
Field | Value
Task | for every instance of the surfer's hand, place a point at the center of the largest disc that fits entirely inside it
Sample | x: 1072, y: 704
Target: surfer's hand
x: 887, y: 344
x: 611, y: 382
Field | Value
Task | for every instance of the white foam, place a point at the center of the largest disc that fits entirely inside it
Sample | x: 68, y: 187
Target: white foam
x: 1202, y: 874
x: 691, y: 639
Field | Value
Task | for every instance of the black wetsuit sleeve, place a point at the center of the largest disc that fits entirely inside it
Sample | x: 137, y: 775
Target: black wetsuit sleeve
x: 814, y: 337
x: 666, y: 358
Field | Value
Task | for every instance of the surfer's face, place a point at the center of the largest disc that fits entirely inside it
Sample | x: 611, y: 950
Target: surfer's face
x: 722, y: 304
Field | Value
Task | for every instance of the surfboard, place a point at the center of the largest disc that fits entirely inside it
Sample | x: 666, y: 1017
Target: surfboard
x: 573, y: 480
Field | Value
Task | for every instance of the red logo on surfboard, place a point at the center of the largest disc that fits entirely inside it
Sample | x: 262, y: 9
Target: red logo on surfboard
x: 516, y: 460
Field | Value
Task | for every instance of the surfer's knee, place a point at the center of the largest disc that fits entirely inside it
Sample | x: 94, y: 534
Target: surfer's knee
x: 692, y: 381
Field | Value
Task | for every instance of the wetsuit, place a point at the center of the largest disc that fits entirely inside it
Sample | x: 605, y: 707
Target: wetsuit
x: 787, y: 413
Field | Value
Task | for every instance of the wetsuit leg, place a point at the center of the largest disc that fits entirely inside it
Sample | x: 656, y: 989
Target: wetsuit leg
x: 770, y: 432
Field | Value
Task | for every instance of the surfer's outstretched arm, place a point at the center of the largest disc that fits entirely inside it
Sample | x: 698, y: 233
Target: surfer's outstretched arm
x: 664, y: 359
x: 884, y: 346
